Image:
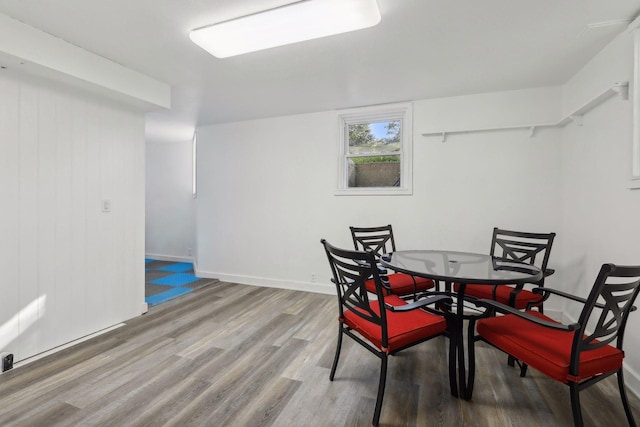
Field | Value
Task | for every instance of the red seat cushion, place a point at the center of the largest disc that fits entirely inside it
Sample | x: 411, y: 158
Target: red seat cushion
x: 403, y: 328
x: 402, y: 284
x: 544, y: 349
x: 503, y: 292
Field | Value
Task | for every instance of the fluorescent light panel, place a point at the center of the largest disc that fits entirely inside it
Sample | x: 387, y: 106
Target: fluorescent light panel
x: 292, y: 23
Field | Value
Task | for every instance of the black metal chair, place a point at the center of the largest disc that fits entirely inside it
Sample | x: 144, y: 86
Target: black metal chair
x: 530, y: 248
x: 385, y: 325
x: 569, y: 353
x: 380, y: 241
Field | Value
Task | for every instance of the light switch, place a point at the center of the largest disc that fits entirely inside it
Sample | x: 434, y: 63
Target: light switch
x: 106, y: 206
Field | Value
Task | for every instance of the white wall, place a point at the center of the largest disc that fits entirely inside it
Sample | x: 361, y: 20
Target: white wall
x: 169, y: 201
x: 266, y: 188
x: 600, y: 213
x: 68, y: 269
x: 265, y: 199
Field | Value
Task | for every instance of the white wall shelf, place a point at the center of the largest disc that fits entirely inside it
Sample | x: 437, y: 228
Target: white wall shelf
x: 621, y: 89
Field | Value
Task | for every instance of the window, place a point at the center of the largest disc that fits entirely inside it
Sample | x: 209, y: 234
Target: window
x: 635, y: 165
x: 375, y: 150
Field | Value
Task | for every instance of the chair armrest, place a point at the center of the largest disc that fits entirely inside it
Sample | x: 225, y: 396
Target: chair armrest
x: 381, y: 270
x: 420, y: 303
x: 505, y: 309
x: 564, y: 295
x: 361, y: 262
x: 560, y: 293
x: 548, y: 272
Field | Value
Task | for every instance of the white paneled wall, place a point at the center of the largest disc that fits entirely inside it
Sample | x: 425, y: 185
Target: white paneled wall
x: 67, y: 268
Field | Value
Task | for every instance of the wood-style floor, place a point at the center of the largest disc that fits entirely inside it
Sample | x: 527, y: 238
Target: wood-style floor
x: 234, y: 355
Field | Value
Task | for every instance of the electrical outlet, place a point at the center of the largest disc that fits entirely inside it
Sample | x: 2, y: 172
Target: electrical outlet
x: 313, y: 277
x: 6, y: 359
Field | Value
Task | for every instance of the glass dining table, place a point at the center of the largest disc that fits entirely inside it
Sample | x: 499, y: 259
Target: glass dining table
x: 461, y: 268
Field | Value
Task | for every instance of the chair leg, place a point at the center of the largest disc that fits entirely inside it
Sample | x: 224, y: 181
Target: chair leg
x: 337, y: 356
x: 575, y: 405
x: 381, y: 386
x: 453, y: 373
x: 471, y: 371
x: 511, y: 361
x: 625, y: 401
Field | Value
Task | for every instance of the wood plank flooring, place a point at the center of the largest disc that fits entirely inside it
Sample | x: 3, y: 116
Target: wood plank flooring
x: 234, y: 355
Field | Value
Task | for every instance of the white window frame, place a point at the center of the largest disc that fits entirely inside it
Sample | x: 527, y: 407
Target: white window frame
x: 194, y: 165
x: 635, y: 155
x: 389, y: 112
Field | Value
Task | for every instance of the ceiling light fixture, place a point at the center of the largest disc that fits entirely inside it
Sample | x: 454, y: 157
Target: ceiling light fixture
x: 291, y: 23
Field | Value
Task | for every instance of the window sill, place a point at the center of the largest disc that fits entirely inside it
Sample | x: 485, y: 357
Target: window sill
x: 374, y: 192
x: 634, y: 184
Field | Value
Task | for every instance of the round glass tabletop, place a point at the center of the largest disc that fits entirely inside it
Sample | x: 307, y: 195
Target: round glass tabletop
x: 464, y: 267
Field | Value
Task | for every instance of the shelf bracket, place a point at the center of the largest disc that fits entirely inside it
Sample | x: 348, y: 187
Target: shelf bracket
x: 443, y: 137
x: 622, y: 89
x: 577, y: 119
x: 532, y: 131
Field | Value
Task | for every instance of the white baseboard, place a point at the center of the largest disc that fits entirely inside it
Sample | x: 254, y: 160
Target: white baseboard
x: 632, y: 380
x: 556, y: 315
x: 169, y: 258
x: 64, y: 346
x: 319, y: 288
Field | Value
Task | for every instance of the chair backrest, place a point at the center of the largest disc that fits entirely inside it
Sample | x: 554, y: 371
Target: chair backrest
x: 351, y: 269
x: 377, y: 239
x: 530, y: 248
x: 610, y: 302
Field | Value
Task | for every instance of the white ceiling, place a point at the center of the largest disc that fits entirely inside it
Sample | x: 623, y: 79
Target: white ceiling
x: 420, y: 49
